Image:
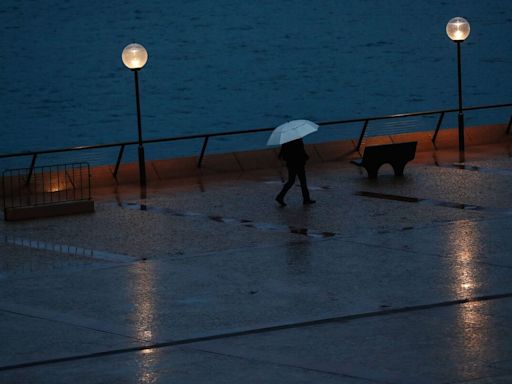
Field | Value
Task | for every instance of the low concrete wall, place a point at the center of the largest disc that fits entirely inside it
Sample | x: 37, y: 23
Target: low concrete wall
x: 267, y: 158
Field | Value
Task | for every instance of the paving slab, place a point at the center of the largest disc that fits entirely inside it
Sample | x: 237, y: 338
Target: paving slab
x: 454, y: 344
x: 32, y: 338
x: 177, y: 365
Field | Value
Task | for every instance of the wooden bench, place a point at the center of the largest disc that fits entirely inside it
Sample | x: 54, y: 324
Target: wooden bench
x: 398, y: 155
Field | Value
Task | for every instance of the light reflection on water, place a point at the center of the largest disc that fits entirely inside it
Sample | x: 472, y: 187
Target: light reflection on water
x: 147, y: 373
x: 471, y: 329
x: 144, y: 316
x: 464, y: 241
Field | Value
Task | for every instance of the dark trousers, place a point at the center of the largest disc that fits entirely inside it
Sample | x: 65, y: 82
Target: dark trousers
x: 293, y: 172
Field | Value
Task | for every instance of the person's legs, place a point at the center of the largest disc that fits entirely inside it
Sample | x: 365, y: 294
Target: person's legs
x: 304, y: 186
x: 292, y: 173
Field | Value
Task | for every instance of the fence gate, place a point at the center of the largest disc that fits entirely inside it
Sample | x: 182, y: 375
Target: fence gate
x: 52, y: 190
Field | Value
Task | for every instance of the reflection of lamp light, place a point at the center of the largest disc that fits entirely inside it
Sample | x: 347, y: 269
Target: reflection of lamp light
x: 134, y: 57
x: 467, y: 285
x: 463, y: 242
x: 145, y: 319
x: 54, y: 184
x: 466, y: 242
x: 458, y: 30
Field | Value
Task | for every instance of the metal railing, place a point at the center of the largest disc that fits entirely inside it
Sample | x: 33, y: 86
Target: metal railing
x: 206, y: 136
x: 52, y: 184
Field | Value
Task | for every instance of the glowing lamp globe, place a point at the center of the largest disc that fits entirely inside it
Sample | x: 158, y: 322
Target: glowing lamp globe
x: 458, y: 29
x: 134, y: 56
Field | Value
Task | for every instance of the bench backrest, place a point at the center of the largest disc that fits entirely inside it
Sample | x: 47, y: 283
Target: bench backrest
x: 399, y: 151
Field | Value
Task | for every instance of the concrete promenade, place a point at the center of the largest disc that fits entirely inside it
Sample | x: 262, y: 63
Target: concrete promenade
x: 208, y: 280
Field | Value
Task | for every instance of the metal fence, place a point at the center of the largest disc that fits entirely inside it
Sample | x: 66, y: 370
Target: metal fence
x: 365, y: 121
x: 52, y: 184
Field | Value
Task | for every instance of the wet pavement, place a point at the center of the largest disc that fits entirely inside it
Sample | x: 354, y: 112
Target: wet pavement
x: 207, y: 279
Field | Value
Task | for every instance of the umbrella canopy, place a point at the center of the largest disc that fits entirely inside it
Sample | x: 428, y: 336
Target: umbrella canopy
x: 290, y: 131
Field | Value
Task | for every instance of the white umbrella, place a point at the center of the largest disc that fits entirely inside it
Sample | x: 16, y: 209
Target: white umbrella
x: 292, y: 130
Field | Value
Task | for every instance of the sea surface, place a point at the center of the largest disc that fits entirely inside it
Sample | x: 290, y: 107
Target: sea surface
x: 225, y: 65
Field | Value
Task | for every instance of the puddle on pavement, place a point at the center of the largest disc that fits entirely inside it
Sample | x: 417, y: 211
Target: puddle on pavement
x: 387, y: 196
x: 242, y: 222
x: 295, y: 230
x: 431, y: 202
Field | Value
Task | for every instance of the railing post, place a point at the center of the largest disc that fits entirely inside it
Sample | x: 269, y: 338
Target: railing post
x: 89, y: 177
x: 509, y: 125
x: 362, y: 135
x: 119, y: 157
x: 31, y: 170
x: 205, y: 143
x: 71, y: 179
x: 438, y: 126
x: 3, y: 188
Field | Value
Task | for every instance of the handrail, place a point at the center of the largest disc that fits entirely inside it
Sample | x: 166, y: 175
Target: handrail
x: 206, y: 136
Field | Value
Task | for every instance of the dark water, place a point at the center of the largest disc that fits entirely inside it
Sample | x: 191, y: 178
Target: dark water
x: 229, y: 65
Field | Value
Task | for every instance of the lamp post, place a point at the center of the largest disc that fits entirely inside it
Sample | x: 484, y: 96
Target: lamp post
x: 458, y: 30
x: 134, y: 58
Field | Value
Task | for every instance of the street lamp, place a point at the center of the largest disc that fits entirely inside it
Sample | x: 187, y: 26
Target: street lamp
x: 134, y: 58
x: 458, y: 30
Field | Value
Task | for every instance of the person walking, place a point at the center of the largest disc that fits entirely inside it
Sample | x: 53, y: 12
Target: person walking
x: 295, y: 156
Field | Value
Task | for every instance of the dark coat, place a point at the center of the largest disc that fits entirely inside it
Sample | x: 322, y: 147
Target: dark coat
x: 294, y: 153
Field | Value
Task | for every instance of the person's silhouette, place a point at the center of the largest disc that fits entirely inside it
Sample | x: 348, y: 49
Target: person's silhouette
x: 295, y: 156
